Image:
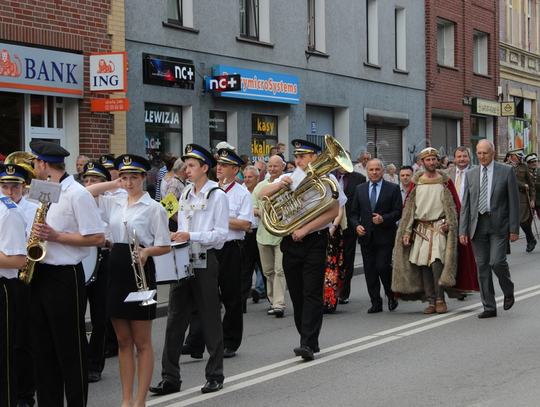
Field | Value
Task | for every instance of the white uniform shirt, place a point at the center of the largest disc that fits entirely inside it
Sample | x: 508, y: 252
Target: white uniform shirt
x: 209, y: 226
x: 240, y: 207
x: 75, y: 212
x: 12, y: 234
x: 342, y: 198
x: 358, y: 167
x: 146, y: 216
x: 119, y: 192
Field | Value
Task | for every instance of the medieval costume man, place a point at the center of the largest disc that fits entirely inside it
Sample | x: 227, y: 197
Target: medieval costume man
x: 426, y: 250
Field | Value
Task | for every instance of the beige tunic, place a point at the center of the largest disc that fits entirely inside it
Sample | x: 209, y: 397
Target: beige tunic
x: 429, y: 208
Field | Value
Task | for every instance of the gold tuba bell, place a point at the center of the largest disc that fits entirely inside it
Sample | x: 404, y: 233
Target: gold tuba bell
x: 23, y: 159
x: 288, y: 210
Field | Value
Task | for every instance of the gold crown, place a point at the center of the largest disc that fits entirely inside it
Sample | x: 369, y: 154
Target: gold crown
x: 10, y: 169
x: 225, y: 153
x: 127, y: 160
x: 189, y: 148
x: 90, y: 166
x: 298, y: 144
x: 103, y: 160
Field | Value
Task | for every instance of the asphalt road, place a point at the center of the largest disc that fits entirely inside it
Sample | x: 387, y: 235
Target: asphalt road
x: 400, y: 358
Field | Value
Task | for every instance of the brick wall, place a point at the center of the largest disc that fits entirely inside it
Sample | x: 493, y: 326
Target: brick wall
x: 74, y: 25
x: 446, y: 87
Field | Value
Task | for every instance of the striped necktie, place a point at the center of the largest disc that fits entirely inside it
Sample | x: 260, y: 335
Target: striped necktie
x: 459, y: 180
x: 482, y: 203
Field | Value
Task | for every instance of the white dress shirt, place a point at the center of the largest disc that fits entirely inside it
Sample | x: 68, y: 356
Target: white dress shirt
x: 209, y: 226
x: 75, y: 212
x: 146, y: 216
x: 240, y: 207
x: 463, y: 176
x: 358, y: 167
x: 12, y: 234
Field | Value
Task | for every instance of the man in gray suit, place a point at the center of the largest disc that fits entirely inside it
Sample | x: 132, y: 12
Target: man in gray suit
x: 490, y: 215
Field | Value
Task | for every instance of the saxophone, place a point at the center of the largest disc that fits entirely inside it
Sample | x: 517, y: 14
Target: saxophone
x: 35, y: 249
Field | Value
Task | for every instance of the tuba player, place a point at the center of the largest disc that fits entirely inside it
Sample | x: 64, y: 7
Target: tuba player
x: 304, y: 256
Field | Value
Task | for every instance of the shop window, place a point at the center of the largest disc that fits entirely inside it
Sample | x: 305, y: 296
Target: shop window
x: 478, y: 132
x: 520, y: 126
x: 264, y: 136
x: 249, y: 19
x: 385, y: 143
x: 480, y: 52
x: 445, y: 42
x: 372, y: 17
x: 444, y: 135
x: 218, y: 129
x: 11, y: 122
x: 163, y: 134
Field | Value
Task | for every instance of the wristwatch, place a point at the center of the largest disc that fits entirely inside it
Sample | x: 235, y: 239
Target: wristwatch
x: 107, y: 244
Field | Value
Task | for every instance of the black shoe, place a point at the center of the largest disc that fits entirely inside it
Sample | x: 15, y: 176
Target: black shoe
x: 255, y: 296
x: 164, y: 387
x: 531, y: 245
x: 462, y: 297
x: 111, y: 353
x: 343, y: 300
x: 228, y: 353
x: 305, y: 351
x: 374, y: 309
x: 278, y: 312
x: 487, y: 314
x: 188, y: 350
x: 212, y: 386
x: 93, y: 376
x: 508, y: 302
x: 392, y: 304
x: 271, y: 311
x: 23, y: 405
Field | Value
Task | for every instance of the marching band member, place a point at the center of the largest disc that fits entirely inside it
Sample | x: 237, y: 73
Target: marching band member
x: 132, y: 322
x: 304, y: 256
x: 12, y: 258
x: 96, y: 290
x: 58, y: 293
x: 209, y: 228
x: 12, y: 183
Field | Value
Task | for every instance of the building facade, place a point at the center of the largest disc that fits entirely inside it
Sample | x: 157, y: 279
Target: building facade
x: 351, y: 69
x: 44, y: 75
x: 520, y: 73
x: 462, y: 73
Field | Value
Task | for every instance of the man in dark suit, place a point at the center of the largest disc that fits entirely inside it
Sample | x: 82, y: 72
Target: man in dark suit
x: 375, y: 210
x: 348, y: 182
x: 490, y: 215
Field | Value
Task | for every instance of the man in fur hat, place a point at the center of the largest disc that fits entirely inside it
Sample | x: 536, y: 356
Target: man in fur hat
x: 426, y: 250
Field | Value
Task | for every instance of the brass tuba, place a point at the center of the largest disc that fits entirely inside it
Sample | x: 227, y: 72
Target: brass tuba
x: 288, y: 210
x: 35, y: 249
x: 23, y: 159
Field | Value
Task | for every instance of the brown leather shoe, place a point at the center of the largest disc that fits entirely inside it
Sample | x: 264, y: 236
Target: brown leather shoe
x: 441, y: 307
x: 487, y: 314
x: 431, y: 309
x: 508, y: 301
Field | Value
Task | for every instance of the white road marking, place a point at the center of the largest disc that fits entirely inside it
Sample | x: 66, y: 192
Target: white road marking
x: 377, y: 339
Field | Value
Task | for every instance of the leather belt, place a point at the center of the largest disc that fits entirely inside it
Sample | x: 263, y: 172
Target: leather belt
x: 488, y: 214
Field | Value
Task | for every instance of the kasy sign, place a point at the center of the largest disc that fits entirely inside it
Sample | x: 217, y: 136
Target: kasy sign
x: 41, y: 71
x: 108, y: 72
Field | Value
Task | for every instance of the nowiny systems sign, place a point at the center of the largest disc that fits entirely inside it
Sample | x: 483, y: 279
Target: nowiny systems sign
x: 261, y: 85
x: 108, y: 72
x: 41, y: 71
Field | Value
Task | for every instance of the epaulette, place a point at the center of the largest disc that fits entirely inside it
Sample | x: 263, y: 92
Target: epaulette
x: 8, y: 202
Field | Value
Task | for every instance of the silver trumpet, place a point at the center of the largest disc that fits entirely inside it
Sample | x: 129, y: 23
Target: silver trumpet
x: 138, y: 268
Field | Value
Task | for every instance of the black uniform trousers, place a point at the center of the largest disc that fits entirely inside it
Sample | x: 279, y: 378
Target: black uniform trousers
x: 304, y: 264
x: 349, y: 254
x: 378, y: 269
x: 8, y: 313
x: 58, y: 303
x: 97, y: 298
x: 24, y: 352
x: 230, y: 258
x: 201, y: 293
x: 252, y: 258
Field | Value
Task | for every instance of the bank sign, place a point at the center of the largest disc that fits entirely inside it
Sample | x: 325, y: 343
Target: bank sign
x: 40, y: 71
x: 261, y: 85
x: 108, y: 72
